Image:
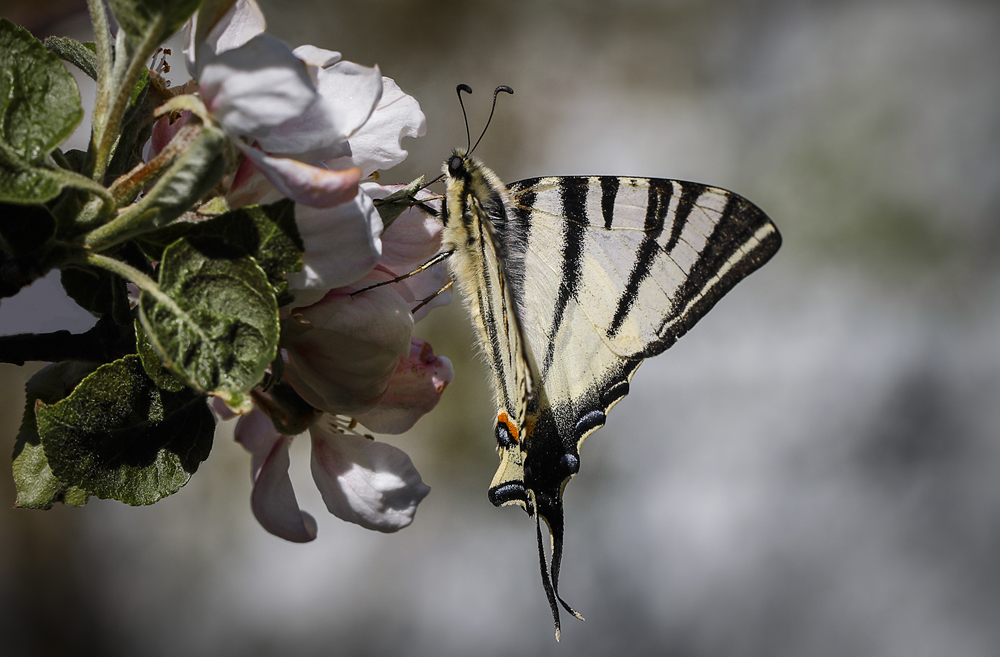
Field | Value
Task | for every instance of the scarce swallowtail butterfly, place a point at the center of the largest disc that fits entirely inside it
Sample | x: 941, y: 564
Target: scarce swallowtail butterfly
x: 571, y: 282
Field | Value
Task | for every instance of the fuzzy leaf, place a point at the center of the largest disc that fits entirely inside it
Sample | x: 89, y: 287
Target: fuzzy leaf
x: 221, y: 330
x: 141, y: 17
x: 266, y: 232
x: 81, y: 55
x: 119, y: 436
x: 39, y: 108
x: 155, y: 369
x: 25, y: 229
x: 37, y: 486
x: 190, y: 177
x: 391, y: 206
x: 92, y: 289
x: 137, y: 125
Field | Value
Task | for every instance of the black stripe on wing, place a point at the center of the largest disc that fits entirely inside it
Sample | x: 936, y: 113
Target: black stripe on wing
x: 739, y: 221
x: 657, y: 204
x: 573, y: 194
x: 735, y: 242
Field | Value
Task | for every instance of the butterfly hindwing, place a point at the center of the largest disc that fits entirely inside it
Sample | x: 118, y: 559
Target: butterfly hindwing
x: 572, y: 282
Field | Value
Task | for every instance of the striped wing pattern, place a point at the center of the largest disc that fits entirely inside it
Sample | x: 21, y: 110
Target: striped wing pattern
x: 590, y: 275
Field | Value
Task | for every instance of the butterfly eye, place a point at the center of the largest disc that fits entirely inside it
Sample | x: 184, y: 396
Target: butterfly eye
x: 455, y: 165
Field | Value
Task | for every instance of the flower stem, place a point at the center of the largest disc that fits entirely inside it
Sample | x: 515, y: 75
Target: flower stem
x: 106, y: 133
x: 130, y: 273
x: 103, y: 343
x: 102, y: 38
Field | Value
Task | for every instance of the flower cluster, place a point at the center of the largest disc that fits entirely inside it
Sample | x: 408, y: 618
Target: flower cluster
x: 311, y: 127
x: 232, y: 239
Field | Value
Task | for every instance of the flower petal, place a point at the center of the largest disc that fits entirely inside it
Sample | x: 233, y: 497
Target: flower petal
x: 413, y: 238
x: 255, y: 87
x: 345, y: 350
x: 273, y: 500
x: 414, y: 390
x: 365, y: 482
x: 313, y: 186
x: 218, y: 26
x: 347, y: 95
x: 163, y: 132
x: 318, y: 57
x: 376, y: 145
x: 426, y: 286
x: 341, y: 243
x: 352, y: 92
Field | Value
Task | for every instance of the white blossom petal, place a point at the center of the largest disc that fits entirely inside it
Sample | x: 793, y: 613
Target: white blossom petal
x: 341, y: 243
x: 312, y: 186
x: 255, y: 87
x: 414, y: 390
x: 239, y: 23
x: 352, y: 92
x: 318, y: 57
x: 347, y: 95
x: 273, y: 500
x: 345, y: 350
x: 376, y: 145
x: 362, y: 481
x: 242, y: 21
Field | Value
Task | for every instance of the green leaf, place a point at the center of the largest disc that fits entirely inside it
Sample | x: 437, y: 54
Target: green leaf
x: 76, y: 159
x: 217, y: 327
x: 193, y: 174
x: 25, y: 183
x: 391, y: 206
x: 162, y: 18
x: 81, y: 55
x: 190, y: 177
x: 151, y: 362
x: 121, y: 437
x: 91, y: 288
x: 265, y: 232
x: 25, y: 229
x: 137, y: 125
x: 39, y: 108
x: 37, y: 486
x: 39, y: 100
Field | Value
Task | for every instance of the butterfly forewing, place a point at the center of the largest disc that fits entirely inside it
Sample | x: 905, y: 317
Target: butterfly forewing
x: 650, y: 256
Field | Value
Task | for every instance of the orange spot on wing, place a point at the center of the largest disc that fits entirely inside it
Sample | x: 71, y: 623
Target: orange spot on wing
x: 510, y: 425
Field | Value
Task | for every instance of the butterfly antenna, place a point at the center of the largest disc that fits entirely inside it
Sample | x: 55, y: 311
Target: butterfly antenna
x: 496, y: 92
x: 467, y: 89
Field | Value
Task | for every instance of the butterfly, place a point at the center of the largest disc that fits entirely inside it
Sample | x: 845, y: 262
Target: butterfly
x: 571, y: 283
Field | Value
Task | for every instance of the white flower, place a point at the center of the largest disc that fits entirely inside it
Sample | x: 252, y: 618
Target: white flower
x: 286, y: 115
x: 341, y: 351
x: 310, y: 126
x: 362, y: 481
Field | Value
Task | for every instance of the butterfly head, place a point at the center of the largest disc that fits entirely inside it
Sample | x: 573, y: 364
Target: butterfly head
x: 455, y: 166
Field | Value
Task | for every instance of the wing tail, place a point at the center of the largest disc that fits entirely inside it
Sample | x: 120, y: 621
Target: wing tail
x: 551, y: 512
x: 550, y: 592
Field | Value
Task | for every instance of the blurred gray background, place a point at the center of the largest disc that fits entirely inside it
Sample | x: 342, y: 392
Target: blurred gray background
x: 813, y: 471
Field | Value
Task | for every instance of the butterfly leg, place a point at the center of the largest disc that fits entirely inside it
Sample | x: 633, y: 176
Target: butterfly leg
x: 424, y: 302
x: 424, y: 267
